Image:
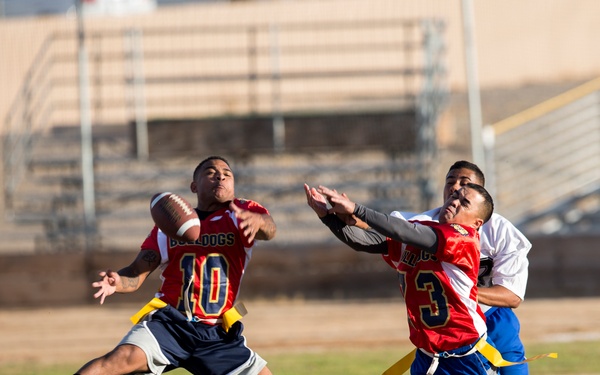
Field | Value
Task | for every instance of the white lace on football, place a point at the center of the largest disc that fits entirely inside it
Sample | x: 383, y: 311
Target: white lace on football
x: 186, y: 208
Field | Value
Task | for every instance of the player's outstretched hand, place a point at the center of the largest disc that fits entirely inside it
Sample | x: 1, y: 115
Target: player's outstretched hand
x: 250, y: 222
x: 340, y: 203
x: 316, y: 201
x: 107, y: 285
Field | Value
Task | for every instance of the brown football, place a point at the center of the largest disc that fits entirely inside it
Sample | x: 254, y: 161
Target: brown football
x: 175, y: 216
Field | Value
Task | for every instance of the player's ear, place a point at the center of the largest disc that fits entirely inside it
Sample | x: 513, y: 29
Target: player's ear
x: 478, y: 223
x: 193, y: 187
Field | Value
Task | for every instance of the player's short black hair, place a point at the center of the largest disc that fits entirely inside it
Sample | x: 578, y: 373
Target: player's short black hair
x: 488, y: 205
x: 470, y: 166
x: 212, y: 157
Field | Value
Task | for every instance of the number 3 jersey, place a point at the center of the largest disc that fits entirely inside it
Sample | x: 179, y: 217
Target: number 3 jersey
x: 440, y: 289
x: 202, y: 278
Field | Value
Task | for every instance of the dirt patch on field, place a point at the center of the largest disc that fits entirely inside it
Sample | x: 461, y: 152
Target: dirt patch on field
x: 77, y: 334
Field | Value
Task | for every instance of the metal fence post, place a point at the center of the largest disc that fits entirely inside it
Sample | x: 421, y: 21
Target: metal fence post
x: 87, y: 154
x: 139, y: 97
x: 278, y: 121
x: 477, y: 148
x: 430, y: 102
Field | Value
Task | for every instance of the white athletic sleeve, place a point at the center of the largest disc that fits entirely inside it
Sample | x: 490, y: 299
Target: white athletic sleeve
x: 431, y: 215
x: 508, y: 248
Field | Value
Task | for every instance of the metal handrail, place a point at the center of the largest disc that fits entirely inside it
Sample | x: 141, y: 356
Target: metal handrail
x: 30, y: 104
x: 548, y: 153
x: 546, y: 107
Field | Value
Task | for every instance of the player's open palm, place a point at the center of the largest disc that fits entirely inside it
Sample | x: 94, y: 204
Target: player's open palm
x: 108, y: 285
x: 316, y: 201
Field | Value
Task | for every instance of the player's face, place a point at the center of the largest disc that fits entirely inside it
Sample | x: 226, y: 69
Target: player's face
x: 457, y: 178
x: 214, y: 184
x: 463, y: 207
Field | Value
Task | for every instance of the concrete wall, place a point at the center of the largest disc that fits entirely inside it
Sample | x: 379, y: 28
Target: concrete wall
x: 559, y: 267
x: 254, y: 135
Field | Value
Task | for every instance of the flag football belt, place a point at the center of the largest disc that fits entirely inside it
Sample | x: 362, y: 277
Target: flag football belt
x: 228, y: 319
x: 482, y: 346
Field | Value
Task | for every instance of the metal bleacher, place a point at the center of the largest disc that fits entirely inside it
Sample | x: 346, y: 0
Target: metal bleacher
x: 315, y: 71
x: 124, y: 185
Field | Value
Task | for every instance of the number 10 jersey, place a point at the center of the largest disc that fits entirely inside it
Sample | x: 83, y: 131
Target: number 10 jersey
x: 202, y: 278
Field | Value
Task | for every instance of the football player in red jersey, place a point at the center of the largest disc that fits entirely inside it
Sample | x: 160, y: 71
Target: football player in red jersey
x: 437, y: 265
x: 200, y: 283
x: 503, y: 269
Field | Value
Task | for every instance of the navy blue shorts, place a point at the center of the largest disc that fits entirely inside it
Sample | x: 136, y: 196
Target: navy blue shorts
x: 199, y: 348
x: 472, y: 364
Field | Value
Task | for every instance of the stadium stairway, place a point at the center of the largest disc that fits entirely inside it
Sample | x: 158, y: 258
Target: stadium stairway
x: 48, y: 205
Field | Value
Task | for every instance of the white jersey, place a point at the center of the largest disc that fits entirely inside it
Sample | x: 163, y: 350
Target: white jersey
x: 504, y: 252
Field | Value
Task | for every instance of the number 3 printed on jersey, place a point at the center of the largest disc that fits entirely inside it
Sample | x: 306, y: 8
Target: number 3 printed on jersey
x: 210, y: 276
x: 435, y: 313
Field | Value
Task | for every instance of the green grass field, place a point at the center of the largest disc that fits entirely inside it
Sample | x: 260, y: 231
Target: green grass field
x: 573, y: 358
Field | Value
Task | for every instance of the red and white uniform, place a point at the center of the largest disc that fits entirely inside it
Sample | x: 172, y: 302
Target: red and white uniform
x: 504, y: 252
x: 440, y: 289
x: 202, y: 278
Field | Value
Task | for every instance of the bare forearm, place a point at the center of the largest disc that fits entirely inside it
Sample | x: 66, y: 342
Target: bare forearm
x: 498, y: 296
x: 134, y: 275
x: 267, y: 229
x: 129, y: 281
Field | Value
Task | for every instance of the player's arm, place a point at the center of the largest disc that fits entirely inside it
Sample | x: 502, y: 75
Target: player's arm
x: 383, y: 225
x: 128, y: 279
x: 398, y: 229
x: 344, y: 227
x: 361, y: 224
x: 255, y: 225
x: 266, y: 229
x: 499, y: 296
x: 510, y: 264
x: 134, y: 275
x: 367, y: 241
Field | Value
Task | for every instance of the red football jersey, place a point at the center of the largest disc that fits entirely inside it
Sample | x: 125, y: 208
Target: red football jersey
x: 440, y: 289
x: 203, y: 277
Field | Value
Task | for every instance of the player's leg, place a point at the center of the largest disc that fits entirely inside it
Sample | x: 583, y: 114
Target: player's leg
x: 139, y: 351
x: 265, y: 371
x: 503, y: 329
x: 124, y: 359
